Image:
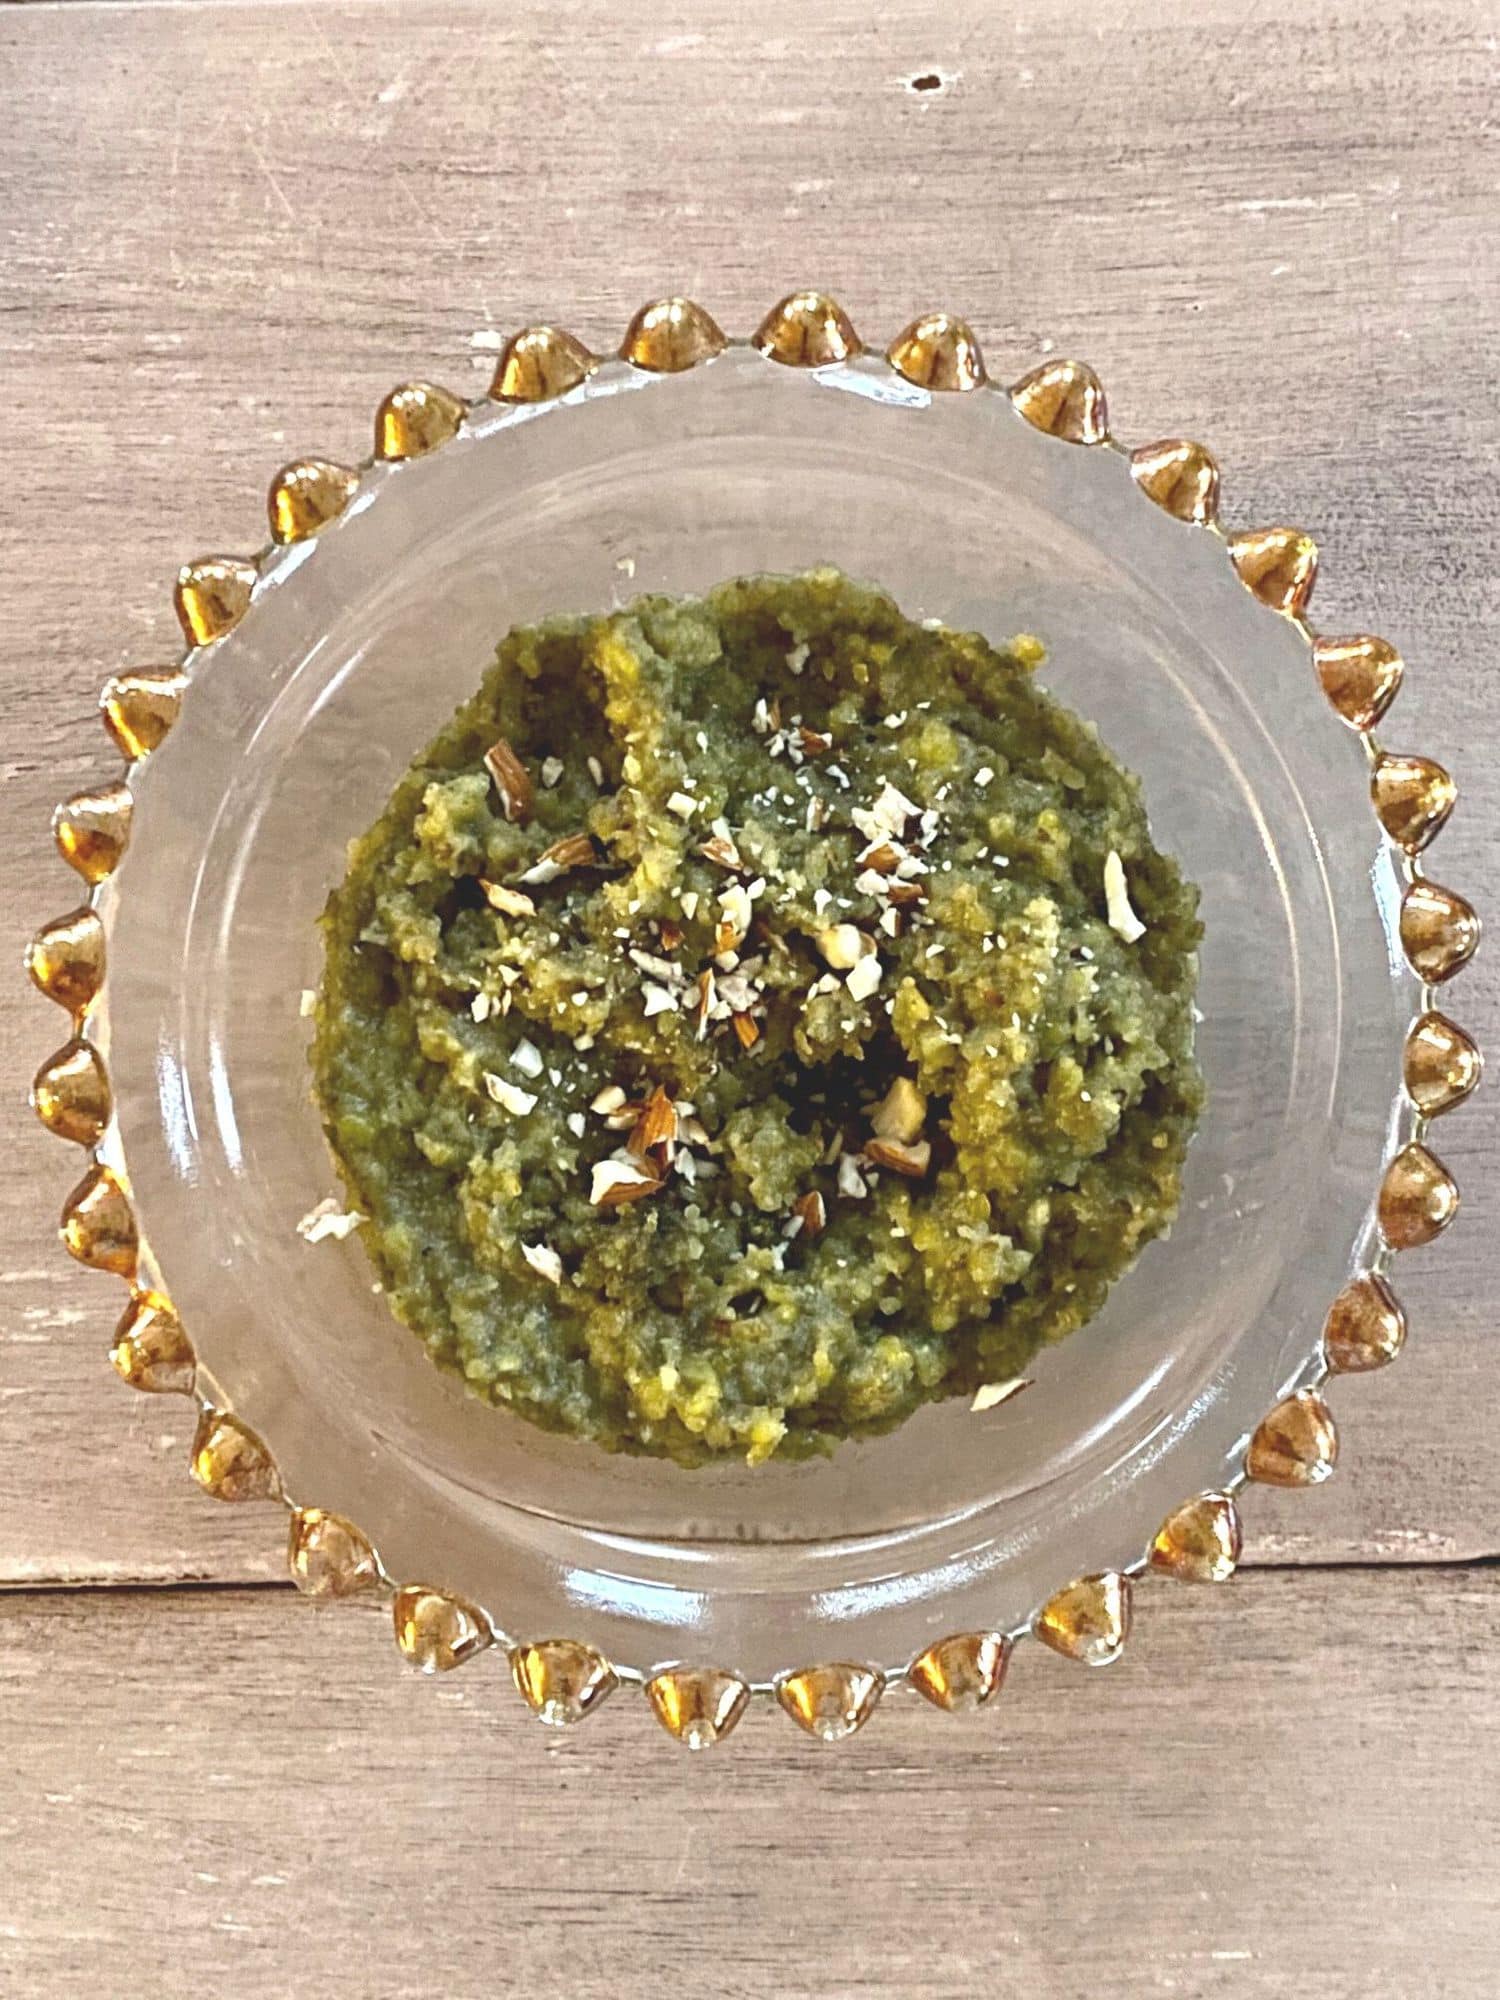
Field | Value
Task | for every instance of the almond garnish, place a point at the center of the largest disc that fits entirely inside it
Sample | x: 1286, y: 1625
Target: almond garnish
x: 901, y: 1113
x: 512, y: 780
x: 617, y: 1181
x: 814, y: 741
x: 671, y: 934
x: 722, y: 852
x: 1122, y: 918
x: 882, y: 858
x: 656, y: 1126
x: 842, y: 946
x: 744, y: 1026
x: 611, y: 1098
x: 811, y: 1212
x: 705, y: 1001
x: 574, y: 850
x: 510, y: 901
x: 989, y: 1395
x: 900, y: 1158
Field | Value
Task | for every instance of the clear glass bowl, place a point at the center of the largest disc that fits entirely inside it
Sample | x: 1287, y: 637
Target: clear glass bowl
x: 358, y: 646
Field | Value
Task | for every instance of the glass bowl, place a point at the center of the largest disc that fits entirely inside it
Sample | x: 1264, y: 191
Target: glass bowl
x: 318, y: 670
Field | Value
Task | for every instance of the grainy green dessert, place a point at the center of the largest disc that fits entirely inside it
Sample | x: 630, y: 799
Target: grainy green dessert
x: 752, y: 1018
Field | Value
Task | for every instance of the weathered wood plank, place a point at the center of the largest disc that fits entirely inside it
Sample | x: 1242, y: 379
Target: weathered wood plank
x: 229, y: 228
x: 198, y: 1779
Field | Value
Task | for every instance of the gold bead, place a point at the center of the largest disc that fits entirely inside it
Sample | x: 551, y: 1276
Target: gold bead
x: 1439, y: 931
x: 1180, y: 476
x: 1413, y: 797
x: 961, y: 1672
x: 70, y: 1093
x: 231, y: 1462
x: 1088, y: 1620
x: 560, y: 1680
x: 671, y: 335
x: 1199, y: 1541
x: 1360, y: 677
x: 437, y: 1631
x: 329, y: 1557
x: 1365, y: 1327
x: 832, y: 1701
x: 807, y: 330
x: 91, y: 830
x: 1066, y: 400
x: 212, y: 596
x: 306, y: 495
x: 1297, y: 1445
x: 151, y: 1351
x: 140, y: 709
x: 66, y: 959
x: 1441, y: 1064
x: 938, y: 352
x: 697, y: 1705
x: 415, y: 418
x: 97, y: 1225
x: 538, y: 363
x: 1279, y: 565
x: 1418, y: 1199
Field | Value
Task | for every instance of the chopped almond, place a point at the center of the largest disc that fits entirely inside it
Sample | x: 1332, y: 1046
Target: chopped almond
x: 722, y: 853
x: 617, y: 1181
x: 611, y: 1098
x: 705, y: 1001
x: 671, y: 934
x: 511, y: 901
x: 814, y: 741
x: 906, y: 892
x: 989, y: 1395
x: 811, y: 1212
x: 745, y: 1028
x: 882, y: 858
x: 842, y: 946
x: 574, y: 850
x: 657, y: 1125
x: 901, y: 1113
x: 512, y: 780
x: 900, y: 1158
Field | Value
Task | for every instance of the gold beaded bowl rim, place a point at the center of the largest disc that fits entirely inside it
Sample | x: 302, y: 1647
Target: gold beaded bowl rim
x: 1088, y: 1615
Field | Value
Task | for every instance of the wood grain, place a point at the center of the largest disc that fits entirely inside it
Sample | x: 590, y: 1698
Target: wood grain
x: 228, y: 229
x: 285, y: 1810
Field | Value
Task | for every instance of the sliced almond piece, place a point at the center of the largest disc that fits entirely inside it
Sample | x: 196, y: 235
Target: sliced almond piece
x: 512, y: 780
x: 511, y: 902
x: 842, y: 946
x: 574, y: 850
x: 671, y: 934
x: 814, y: 741
x: 989, y: 1395
x: 656, y: 1126
x: 744, y: 1026
x: 722, y: 852
x: 706, y: 997
x: 882, y: 857
x: 906, y: 892
x: 1122, y: 918
x: 901, y: 1113
x: 899, y: 1158
x: 611, y: 1098
x: 811, y: 1211
x: 617, y: 1181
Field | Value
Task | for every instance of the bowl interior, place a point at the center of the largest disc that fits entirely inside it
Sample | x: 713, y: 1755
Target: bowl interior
x: 358, y: 647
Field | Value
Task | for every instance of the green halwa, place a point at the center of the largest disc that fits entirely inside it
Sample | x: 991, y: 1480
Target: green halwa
x: 727, y: 1031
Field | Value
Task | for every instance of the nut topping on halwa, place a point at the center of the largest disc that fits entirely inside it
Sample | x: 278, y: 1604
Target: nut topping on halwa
x: 794, y: 1052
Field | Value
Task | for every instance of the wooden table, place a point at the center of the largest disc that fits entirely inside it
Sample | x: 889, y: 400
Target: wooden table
x: 225, y: 230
